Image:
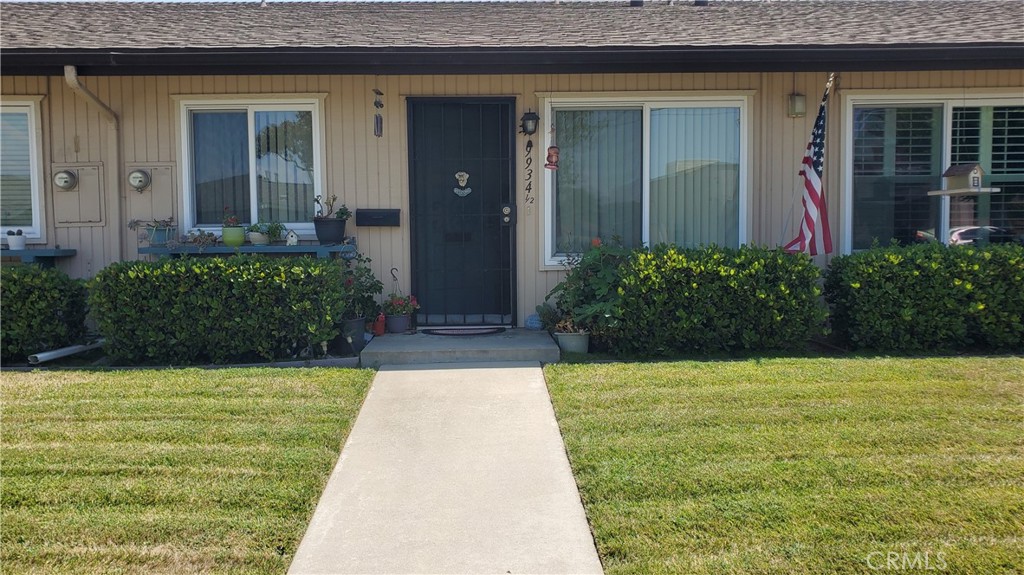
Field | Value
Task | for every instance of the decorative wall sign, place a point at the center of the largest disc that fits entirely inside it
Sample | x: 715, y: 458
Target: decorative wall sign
x: 462, y: 190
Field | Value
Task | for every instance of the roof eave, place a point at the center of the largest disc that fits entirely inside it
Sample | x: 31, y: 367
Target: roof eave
x: 518, y: 60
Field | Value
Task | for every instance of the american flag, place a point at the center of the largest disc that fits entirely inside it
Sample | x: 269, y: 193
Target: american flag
x: 814, y: 237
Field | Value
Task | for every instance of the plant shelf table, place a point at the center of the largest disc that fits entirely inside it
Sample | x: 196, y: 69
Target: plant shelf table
x: 44, y: 257
x: 343, y: 250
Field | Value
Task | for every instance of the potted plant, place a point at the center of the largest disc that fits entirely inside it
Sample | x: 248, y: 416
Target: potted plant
x: 157, y: 232
x: 398, y: 309
x: 569, y: 335
x: 232, y: 233
x: 262, y: 234
x: 360, y: 287
x: 328, y: 222
x: 587, y: 299
x: 16, y: 239
x: 199, y: 239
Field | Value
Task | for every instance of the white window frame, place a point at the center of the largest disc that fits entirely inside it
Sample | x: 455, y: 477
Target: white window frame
x: 644, y: 101
x: 36, y: 232
x: 947, y: 100
x: 251, y: 104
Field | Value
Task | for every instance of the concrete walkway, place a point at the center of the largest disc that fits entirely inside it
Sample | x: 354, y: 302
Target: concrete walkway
x: 455, y: 468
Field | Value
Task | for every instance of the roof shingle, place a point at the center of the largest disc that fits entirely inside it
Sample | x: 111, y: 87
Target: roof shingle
x: 547, y: 25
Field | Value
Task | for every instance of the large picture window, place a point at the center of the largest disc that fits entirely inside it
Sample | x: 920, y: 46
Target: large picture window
x: 20, y: 187
x: 899, y: 150
x: 646, y: 172
x: 259, y: 161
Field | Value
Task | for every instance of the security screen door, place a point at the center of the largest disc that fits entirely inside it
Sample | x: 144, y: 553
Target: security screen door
x: 462, y: 210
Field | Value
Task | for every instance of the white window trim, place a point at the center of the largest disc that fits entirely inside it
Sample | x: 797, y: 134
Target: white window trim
x: 947, y: 99
x: 644, y: 101
x: 251, y: 104
x: 36, y: 234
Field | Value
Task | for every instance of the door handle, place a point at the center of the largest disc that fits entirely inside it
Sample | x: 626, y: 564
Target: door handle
x: 507, y: 215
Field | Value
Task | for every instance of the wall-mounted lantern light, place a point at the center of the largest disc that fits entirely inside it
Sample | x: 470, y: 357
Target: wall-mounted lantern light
x: 797, y: 105
x: 528, y: 123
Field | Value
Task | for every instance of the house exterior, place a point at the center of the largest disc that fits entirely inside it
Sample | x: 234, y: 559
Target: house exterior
x: 671, y: 120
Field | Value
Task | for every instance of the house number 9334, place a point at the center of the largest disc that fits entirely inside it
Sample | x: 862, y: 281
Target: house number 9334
x: 530, y: 198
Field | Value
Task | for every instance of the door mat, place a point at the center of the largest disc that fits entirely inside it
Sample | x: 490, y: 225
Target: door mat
x: 463, y: 330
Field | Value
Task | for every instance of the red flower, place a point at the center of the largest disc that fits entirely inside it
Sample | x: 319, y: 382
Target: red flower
x: 596, y: 242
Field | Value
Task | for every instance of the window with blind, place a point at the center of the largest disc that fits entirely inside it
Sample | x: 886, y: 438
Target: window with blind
x: 899, y: 152
x: 646, y: 173
x: 19, y: 170
x: 258, y: 161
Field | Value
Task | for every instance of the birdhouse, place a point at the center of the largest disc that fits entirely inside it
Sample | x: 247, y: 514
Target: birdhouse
x: 964, y: 176
x: 292, y: 239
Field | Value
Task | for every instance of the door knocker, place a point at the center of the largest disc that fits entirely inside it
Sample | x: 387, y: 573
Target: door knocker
x: 462, y: 190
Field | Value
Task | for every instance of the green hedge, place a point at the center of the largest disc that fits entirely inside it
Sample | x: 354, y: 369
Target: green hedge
x: 217, y: 309
x: 716, y: 299
x: 42, y: 309
x: 929, y: 297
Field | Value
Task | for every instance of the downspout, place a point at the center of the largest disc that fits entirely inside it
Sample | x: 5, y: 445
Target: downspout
x: 71, y: 77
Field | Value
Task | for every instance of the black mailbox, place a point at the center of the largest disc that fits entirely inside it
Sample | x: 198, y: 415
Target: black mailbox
x: 369, y: 218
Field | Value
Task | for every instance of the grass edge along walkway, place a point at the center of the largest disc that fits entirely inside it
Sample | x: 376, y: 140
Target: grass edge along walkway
x: 799, y: 465
x: 168, y: 471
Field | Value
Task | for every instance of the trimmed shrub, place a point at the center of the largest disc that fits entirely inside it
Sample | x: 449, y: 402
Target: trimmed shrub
x: 217, y: 309
x: 716, y: 299
x: 929, y: 297
x: 42, y: 309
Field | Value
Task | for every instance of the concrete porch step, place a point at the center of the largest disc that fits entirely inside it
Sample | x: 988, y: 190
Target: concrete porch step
x: 418, y: 348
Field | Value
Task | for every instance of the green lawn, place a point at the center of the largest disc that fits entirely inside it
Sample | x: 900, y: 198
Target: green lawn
x: 176, y: 471
x: 799, y: 465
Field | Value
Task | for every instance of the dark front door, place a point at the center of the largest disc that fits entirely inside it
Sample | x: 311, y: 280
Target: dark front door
x: 463, y: 212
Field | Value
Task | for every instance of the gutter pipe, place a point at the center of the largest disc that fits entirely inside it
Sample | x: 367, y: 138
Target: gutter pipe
x: 63, y: 352
x: 71, y: 78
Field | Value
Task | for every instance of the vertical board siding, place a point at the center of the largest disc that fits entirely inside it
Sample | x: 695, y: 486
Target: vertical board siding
x: 369, y: 172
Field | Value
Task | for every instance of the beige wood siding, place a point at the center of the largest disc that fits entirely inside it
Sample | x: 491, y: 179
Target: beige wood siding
x: 369, y: 172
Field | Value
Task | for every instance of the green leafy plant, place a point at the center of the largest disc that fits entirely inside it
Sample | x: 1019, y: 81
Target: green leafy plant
x: 929, y: 297
x: 273, y: 230
x: 587, y: 300
x: 239, y: 308
x: 360, y: 288
x: 42, y: 309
